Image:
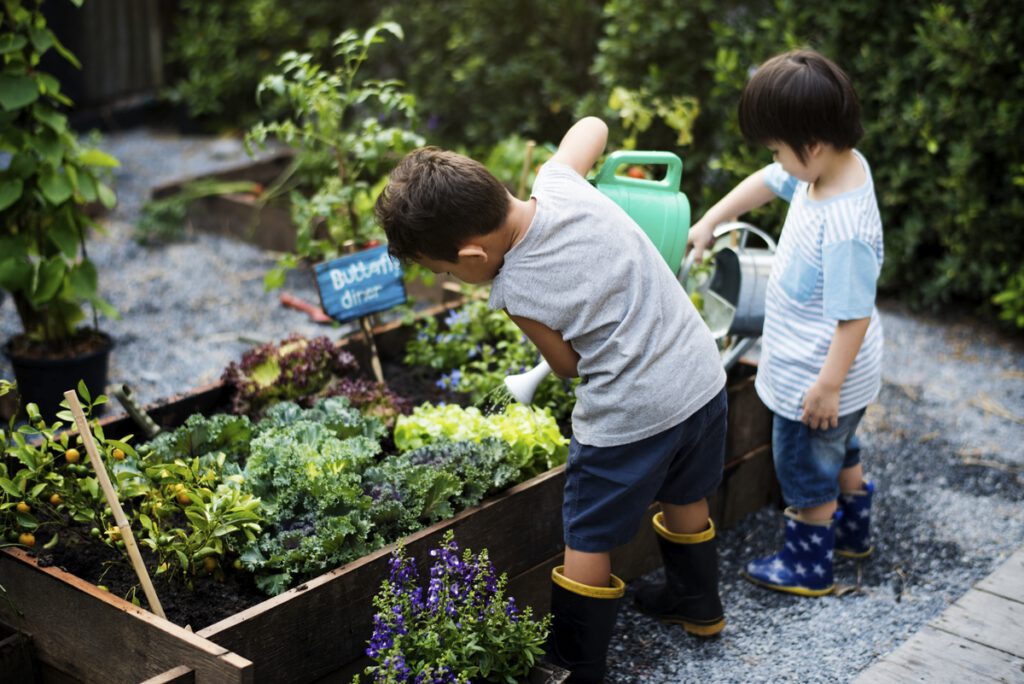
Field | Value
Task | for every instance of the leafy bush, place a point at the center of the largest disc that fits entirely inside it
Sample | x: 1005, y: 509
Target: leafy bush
x: 220, y: 49
x: 475, y: 348
x: 347, y: 129
x: 461, y: 627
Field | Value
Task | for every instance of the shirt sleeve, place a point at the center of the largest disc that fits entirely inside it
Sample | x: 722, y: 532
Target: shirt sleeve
x: 849, y: 274
x: 780, y: 182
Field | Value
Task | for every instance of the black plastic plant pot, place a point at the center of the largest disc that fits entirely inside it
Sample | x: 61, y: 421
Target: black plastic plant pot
x: 44, y: 381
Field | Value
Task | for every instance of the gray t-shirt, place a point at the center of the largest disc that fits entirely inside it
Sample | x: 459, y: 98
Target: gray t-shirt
x: 586, y: 270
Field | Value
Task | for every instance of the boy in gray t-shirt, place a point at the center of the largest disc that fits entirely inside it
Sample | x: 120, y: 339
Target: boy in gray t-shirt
x: 588, y: 287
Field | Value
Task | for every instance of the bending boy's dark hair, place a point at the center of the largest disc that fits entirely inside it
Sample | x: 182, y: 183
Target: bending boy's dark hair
x: 435, y: 201
x: 800, y: 98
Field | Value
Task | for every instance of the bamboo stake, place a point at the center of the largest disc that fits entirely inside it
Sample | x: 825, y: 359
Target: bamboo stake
x: 115, y: 505
x: 527, y: 161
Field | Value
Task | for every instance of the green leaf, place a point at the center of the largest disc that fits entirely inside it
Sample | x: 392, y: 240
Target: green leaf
x: 42, y: 39
x: 83, y: 391
x: 9, y: 487
x: 106, y: 195
x: 17, y: 91
x: 10, y: 192
x: 94, y: 157
x: 48, y: 279
x: 51, y: 117
x: 54, y: 186
x: 87, y: 186
x: 10, y: 42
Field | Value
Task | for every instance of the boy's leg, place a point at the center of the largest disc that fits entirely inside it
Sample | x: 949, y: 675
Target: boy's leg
x: 687, y: 518
x: 853, y: 533
x: 592, y: 569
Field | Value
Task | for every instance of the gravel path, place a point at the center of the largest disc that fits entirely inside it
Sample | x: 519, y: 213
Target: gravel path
x: 943, y: 442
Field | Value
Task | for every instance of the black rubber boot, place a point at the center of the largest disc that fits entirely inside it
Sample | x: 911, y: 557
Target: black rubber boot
x: 689, y: 596
x: 583, y: 619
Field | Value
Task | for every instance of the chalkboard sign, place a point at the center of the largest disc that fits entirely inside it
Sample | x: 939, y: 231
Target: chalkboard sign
x: 360, y: 284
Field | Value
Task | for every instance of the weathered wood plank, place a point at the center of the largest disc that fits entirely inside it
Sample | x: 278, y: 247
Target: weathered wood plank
x: 179, y: 675
x: 986, y: 619
x: 64, y: 608
x: 936, y: 657
x: 1008, y: 579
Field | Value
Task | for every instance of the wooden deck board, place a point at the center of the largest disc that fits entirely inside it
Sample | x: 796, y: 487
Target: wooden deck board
x: 980, y: 638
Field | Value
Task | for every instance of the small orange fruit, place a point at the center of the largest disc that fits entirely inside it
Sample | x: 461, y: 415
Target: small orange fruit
x: 118, y: 454
x: 56, y: 500
x: 22, y: 507
x: 27, y: 539
x: 209, y: 564
x: 183, y: 499
x: 72, y: 455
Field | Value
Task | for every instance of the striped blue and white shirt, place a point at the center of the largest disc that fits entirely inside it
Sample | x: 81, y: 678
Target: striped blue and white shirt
x: 825, y: 269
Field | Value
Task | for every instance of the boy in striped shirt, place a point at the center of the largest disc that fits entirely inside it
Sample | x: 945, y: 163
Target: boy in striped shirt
x: 821, y: 352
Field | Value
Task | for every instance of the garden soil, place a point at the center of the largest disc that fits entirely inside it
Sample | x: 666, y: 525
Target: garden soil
x: 943, y: 442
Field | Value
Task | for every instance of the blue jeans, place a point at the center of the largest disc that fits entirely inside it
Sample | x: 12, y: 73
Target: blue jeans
x: 608, y: 489
x: 807, y: 462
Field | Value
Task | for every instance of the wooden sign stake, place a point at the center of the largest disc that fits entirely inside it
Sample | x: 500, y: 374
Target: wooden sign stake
x: 115, y: 505
x: 364, y: 322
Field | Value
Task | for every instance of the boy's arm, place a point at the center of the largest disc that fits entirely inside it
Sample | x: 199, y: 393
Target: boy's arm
x: 582, y: 144
x: 751, y: 193
x: 821, y: 403
x: 559, y: 354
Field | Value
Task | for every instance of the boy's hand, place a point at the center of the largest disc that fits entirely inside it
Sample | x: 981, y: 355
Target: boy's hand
x: 700, y: 237
x: 821, y: 407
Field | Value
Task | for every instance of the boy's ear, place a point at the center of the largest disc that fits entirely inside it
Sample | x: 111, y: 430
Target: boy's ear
x: 472, y: 251
x: 814, y: 149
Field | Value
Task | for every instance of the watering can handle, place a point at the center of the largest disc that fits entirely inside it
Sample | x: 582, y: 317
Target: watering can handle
x: 723, y: 229
x: 673, y: 176
x: 731, y: 226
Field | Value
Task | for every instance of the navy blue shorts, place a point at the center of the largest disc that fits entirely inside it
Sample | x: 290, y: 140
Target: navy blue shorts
x: 807, y: 462
x: 608, y: 489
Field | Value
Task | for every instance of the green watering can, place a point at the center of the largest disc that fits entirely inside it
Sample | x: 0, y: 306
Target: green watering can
x: 656, y: 205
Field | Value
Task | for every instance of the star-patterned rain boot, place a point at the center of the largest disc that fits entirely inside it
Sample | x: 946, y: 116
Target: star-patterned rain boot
x: 804, y: 565
x: 853, y: 532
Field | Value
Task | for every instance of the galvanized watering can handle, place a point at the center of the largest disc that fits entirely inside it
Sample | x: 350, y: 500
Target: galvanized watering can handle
x: 673, y: 175
x: 732, y: 226
x: 723, y: 229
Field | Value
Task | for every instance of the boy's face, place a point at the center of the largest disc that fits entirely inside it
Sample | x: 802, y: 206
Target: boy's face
x: 805, y: 170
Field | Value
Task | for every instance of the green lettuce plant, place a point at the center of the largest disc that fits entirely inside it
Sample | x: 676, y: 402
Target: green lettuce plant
x: 532, y: 433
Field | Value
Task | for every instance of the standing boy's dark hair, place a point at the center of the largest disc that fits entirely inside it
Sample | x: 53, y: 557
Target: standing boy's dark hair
x: 800, y: 98
x: 435, y: 201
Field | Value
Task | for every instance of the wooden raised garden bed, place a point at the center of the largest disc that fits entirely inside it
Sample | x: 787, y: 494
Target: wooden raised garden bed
x: 318, y: 630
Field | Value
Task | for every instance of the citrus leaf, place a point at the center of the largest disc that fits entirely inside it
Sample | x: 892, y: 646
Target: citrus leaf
x: 10, y: 192
x: 17, y: 91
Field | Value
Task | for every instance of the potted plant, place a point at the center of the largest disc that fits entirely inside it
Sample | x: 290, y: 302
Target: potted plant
x: 47, y: 179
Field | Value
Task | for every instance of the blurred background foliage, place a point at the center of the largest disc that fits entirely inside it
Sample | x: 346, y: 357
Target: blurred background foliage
x: 941, y: 84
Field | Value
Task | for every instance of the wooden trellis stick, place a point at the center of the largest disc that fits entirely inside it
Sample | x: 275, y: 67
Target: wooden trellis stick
x: 115, y: 506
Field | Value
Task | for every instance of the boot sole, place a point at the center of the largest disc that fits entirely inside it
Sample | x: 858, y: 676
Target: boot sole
x: 799, y: 591
x: 694, y: 628
x: 854, y: 554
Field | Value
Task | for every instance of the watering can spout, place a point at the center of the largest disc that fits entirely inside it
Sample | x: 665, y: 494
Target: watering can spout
x: 524, y: 385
